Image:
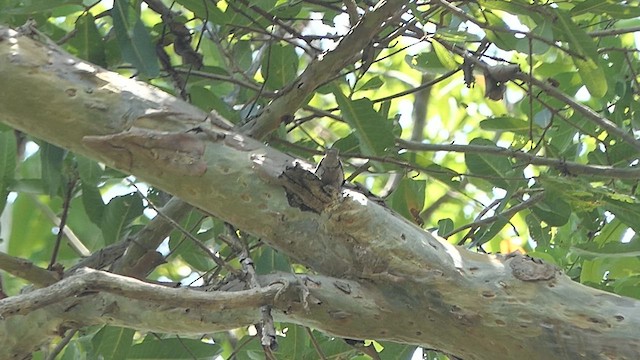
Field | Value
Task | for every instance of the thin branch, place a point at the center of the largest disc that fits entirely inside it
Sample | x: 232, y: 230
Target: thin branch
x: 314, y: 341
x: 601, y: 121
x: 312, y: 50
x: 74, y: 241
x: 505, y: 214
x: 149, y: 238
x: 62, y: 344
x: 27, y: 270
x: 268, y: 337
x: 322, y: 69
x: 572, y: 168
x: 459, y: 12
x: 186, y: 233
x: 612, y: 32
x: 63, y: 220
x: 88, y: 280
x: 229, y: 79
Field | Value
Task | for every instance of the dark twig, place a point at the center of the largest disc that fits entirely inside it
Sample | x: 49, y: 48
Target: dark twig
x: 598, y: 171
x: 267, y: 327
x: 504, y: 215
x: 62, y: 344
x: 186, y: 233
x: 63, y: 220
x: 314, y: 341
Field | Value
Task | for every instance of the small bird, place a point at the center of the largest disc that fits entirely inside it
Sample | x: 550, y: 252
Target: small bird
x: 329, y: 170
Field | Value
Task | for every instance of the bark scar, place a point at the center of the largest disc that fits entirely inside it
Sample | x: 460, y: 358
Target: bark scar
x: 526, y: 268
x: 305, y: 190
x: 178, y: 153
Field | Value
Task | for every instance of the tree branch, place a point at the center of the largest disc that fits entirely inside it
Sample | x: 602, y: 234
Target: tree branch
x: 27, y: 270
x: 322, y: 69
x: 573, y: 168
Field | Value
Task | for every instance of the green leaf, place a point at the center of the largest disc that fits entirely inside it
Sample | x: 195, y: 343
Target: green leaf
x: 295, y: 344
x: 271, y: 260
x: 628, y: 286
x: 279, y: 66
x: 90, y: 171
x: 408, y: 198
x: 51, y: 158
x: 92, y: 202
x: 456, y: 36
x: 540, y: 235
x: 27, y: 222
x: 505, y: 40
x: 133, y: 38
x: 112, y: 342
x: 492, y: 168
x: 373, y: 83
x: 553, y: 210
x: 445, y: 226
x: 203, y: 10
x: 588, y: 67
x: 36, y: 7
x: 374, y: 132
x: 87, y: 44
x: 189, y: 251
x: 444, y: 55
x: 627, y: 211
x: 242, y: 54
x: 543, y: 30
x: 7, y: 165
x: 118, y: 214
x: 173, y: 349
x: 505, y: 123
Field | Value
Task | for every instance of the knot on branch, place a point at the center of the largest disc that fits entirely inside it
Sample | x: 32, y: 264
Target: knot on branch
x: 305, y: 190
x: 526, y: 268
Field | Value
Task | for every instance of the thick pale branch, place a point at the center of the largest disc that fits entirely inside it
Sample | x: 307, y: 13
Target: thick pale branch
x: 405, y: 284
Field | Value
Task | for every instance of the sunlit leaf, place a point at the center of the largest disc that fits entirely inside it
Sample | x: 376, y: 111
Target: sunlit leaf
x: 445, y: 56
x: 374, y: 83
x: 408, y: 199
x: 374, y: 132
x: 588, y: 68
x: 505, y: 123
x: 279, y: 65
x: 445, y: 226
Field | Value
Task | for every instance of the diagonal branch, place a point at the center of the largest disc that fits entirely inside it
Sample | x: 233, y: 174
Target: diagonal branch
x: 598, y: 171
x: 322, y: 70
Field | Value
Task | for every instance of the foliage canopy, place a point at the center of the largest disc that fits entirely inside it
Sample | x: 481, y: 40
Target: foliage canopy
x: 499, y: 125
